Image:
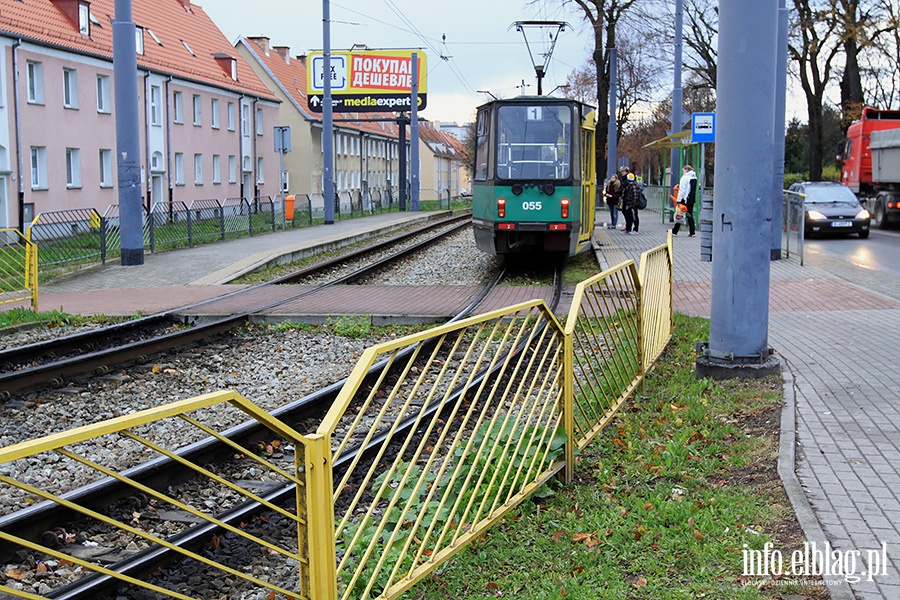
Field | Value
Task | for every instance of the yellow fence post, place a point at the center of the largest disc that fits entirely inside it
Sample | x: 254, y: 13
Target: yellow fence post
x: 569, y: 405
x: 320, y: 518
x: 31, y: 271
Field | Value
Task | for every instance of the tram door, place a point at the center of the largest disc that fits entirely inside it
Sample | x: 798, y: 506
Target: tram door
x: 588, y: 178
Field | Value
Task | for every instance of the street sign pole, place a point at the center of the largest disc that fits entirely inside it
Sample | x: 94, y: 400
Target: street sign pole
x: 127, y: 136
x: 414, y: 134
x: 327, y: 124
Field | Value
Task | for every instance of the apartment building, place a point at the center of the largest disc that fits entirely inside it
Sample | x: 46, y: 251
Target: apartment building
x: 206, y: 119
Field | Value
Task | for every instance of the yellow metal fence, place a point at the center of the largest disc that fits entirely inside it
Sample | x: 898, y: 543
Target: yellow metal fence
x: 18, y: 268
x: 480, y: 413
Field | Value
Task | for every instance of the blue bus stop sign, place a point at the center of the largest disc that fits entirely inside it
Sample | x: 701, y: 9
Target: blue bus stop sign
x: 703, y: 128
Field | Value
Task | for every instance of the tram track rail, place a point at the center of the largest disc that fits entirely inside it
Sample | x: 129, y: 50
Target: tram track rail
x: 21, y: 374
x: 31, y: 522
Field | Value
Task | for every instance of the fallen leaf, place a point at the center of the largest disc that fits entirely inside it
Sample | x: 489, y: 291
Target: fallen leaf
x: 41, y: 568
x: 154, y: 369
x: 16, y: 574
x: 641, y: 582
x: 557, y: 535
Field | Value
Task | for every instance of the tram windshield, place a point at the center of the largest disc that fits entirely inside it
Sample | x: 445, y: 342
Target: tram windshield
x: 534, y: 142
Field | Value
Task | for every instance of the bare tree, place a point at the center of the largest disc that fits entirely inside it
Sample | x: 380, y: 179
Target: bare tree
x: 602, y: 16
x: 814, y: 46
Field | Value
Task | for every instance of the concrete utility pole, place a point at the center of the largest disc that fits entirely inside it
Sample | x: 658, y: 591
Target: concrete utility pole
x: 611, y: 145
x: 128, y: 149
x: 677, y: 96
x: 742, y: 213
x: 414, y: 134
x: 781, y: 67
x: 327, y: 116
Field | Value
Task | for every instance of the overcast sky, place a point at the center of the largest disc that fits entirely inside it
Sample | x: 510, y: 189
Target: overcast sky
x: 483, y: 52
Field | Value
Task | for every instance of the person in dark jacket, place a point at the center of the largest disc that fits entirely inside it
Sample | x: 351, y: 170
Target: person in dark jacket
x: 613, y: 197
x: 631, y: 198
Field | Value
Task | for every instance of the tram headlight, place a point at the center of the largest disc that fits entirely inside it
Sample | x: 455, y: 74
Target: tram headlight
x: 501, y: 208
x: 564, y: 208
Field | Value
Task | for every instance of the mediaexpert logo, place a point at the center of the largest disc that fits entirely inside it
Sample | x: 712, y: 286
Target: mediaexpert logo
x: 814, y: 561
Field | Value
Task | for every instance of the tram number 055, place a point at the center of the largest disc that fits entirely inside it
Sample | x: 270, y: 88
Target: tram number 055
x: 531, y: 206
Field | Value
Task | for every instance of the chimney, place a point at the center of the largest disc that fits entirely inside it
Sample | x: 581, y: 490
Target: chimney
x: 261, y: 41
x: 284, y: 51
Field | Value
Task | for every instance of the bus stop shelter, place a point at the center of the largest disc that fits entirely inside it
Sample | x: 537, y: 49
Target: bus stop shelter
x: 689, y: 153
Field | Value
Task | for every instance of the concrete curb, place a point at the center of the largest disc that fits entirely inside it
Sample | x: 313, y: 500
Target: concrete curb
x: 787, y: 459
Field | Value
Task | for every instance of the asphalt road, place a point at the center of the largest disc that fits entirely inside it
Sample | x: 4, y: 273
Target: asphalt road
x: 881, y: 252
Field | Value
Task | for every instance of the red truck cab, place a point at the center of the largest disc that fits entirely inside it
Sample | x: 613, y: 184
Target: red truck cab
x: 854, y: 153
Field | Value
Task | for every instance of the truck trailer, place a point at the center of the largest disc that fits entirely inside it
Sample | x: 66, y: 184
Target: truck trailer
x: 870, y: 163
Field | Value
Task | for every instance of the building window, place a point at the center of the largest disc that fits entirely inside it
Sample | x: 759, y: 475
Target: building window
x: 214, y: 112
x: 232, y: 168
x: 139, y: 40
x: 198, y: 169
x: 35, y: 82
x: 155, y: 105
x: 260, y: 170
x: 84, y: 19
x: 73, y: 168
x: 153, y: 35
x: 197, y: 115
x: 217, y: 169
x: 188, y: 48
x: 179, y: 168
x: 104, y: 105
x: 245, y: 120
x: 106, y: 169
x: 178, y: 107
x: 70, y: 88
x: 38, y: 168
x: 259, y: 121
x: 230, y: 116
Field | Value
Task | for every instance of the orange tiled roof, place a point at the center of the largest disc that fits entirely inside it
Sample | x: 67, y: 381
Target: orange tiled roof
x: 45, y: 21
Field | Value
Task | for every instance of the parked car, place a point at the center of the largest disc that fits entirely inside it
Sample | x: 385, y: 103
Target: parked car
x: 831, y: 208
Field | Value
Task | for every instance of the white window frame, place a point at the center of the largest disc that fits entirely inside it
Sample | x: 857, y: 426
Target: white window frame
x: 214, y: 112
x: 260, y: 170
x: 217, y: 169
x: 232, y: 168
x: 178, y: 107
x: 230, y: 115
x: 104, y: 102
x: 198, y: 169
x: 156, y: 105
x: 259, y: 121
x: 73, y: 168
x: 245, y: 120
x: 84, y: 18
x: 106, y: 168
x: 197, y: 110
x: 70, y: 88
x: 139, y: 40
x: 39, y: 168
x: 179, y: 168
x: 35, y: 74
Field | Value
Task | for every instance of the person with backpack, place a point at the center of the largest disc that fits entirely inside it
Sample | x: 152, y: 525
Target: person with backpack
x: 631, y: 201
x: 613, y: 197
x: 687, y: 195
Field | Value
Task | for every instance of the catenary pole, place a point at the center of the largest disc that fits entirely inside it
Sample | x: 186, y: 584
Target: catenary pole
x: 677, y: 95
x: 128, y: 152
x: 414, y: 134
x: 742, y: 228
x: 611, y: 145
x: 327, y: 117
x: 781, y: 66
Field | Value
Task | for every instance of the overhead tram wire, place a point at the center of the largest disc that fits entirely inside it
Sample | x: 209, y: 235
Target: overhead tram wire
x: 453, y: 68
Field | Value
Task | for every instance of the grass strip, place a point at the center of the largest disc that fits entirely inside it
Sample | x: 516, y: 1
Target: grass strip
x: 664, y: 504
